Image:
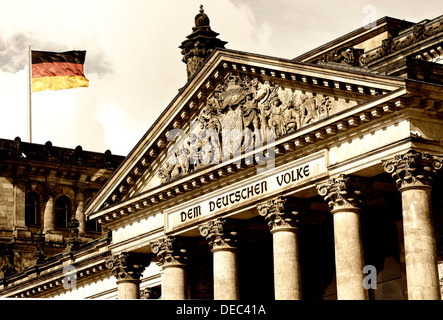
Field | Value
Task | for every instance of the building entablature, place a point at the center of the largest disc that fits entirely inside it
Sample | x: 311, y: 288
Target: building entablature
x: 356, y: 99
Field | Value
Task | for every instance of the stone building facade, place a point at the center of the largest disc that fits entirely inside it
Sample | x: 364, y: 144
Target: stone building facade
x: 44, y: 190
x: 320, y: 176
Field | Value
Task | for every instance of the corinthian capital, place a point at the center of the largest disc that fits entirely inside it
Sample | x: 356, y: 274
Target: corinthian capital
x: 220, y: 234
x: 128, y: 265
x: 344, y: 192
x: 169, y: 252
x: 277, y: 214
x: 413, y: 169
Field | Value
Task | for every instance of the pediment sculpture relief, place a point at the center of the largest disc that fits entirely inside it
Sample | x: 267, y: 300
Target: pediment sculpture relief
x: 241, y: 114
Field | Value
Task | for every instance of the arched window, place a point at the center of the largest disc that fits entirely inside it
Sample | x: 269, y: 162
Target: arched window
x: 31, y: 209
x: 62, y: 212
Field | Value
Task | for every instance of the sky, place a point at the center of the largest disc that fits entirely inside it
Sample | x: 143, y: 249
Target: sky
x: 133, y: 62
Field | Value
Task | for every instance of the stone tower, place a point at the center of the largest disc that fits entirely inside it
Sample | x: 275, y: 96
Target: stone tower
x: 199, y: 44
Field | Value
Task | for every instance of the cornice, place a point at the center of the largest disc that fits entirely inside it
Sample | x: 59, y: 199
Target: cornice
x: 356, y: 36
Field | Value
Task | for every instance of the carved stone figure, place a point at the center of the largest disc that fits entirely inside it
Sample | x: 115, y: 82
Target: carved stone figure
x: 291, y: 118
x: 275, y: 115
x: 348, y: 56
x: 235, y: 119
x: 324, y: 108
x: 308, y: 109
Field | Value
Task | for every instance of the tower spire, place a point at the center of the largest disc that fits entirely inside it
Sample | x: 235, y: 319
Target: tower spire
x: 200, y: 43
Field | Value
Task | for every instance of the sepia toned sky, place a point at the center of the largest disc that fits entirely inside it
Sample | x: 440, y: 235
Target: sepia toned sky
x: 133, y: 61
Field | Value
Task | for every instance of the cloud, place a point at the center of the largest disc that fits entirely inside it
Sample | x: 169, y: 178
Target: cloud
x: 14, y: 48
x: 13, y: 53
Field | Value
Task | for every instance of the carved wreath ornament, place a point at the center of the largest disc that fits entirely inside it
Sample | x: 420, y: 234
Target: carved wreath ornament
x: 242, y: 114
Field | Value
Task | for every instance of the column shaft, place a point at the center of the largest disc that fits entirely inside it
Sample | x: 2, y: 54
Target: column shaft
x: 222, y: 240
x: 79, y: 215
x: 128, y: 267
x: 348, y: 256
x: 225, y: 274
x: 172, y: 257
x: 48, y: 217
x: 282, y: 219
x: 419, y: 241
x: 344, y: 195
x: 128, y: 289
x: 174, y: 282
x: 413, y: 173
x: 287, y: 277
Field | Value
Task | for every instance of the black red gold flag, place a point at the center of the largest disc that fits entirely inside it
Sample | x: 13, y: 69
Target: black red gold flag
x: 58, y: 70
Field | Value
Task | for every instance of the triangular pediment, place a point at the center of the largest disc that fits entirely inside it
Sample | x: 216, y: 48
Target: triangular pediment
x: 247, y: 96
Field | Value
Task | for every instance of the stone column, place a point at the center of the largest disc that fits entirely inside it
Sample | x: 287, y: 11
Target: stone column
x: 343, y: 194
x: 128, y: 268
x: 79, y: 206
x: 283, y: 224
x: 413, y: 173
x: 172, y: 258
x: 223, y: 244
x: 49, y: 213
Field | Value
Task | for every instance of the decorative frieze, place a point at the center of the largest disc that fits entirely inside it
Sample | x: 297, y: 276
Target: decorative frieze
x: 220, y: 234
x: 344, y: 192
x: 277, y: 214
x: 389, y: 45
x: 413, y: 169
x: 169, y: 252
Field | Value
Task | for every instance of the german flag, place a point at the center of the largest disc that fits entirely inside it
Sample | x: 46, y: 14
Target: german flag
x: 58, y: 70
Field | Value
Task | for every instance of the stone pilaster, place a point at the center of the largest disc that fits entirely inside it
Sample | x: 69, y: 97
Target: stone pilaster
x: 19, y: 203
x: 283, y: 224
x: 413, y: 173
x: 128, y: 267
x: 172, y: 257
x: 222, y: 240
x: 344, y: 196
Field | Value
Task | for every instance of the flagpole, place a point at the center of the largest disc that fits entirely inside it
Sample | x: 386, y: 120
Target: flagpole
x: 29, y: 94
